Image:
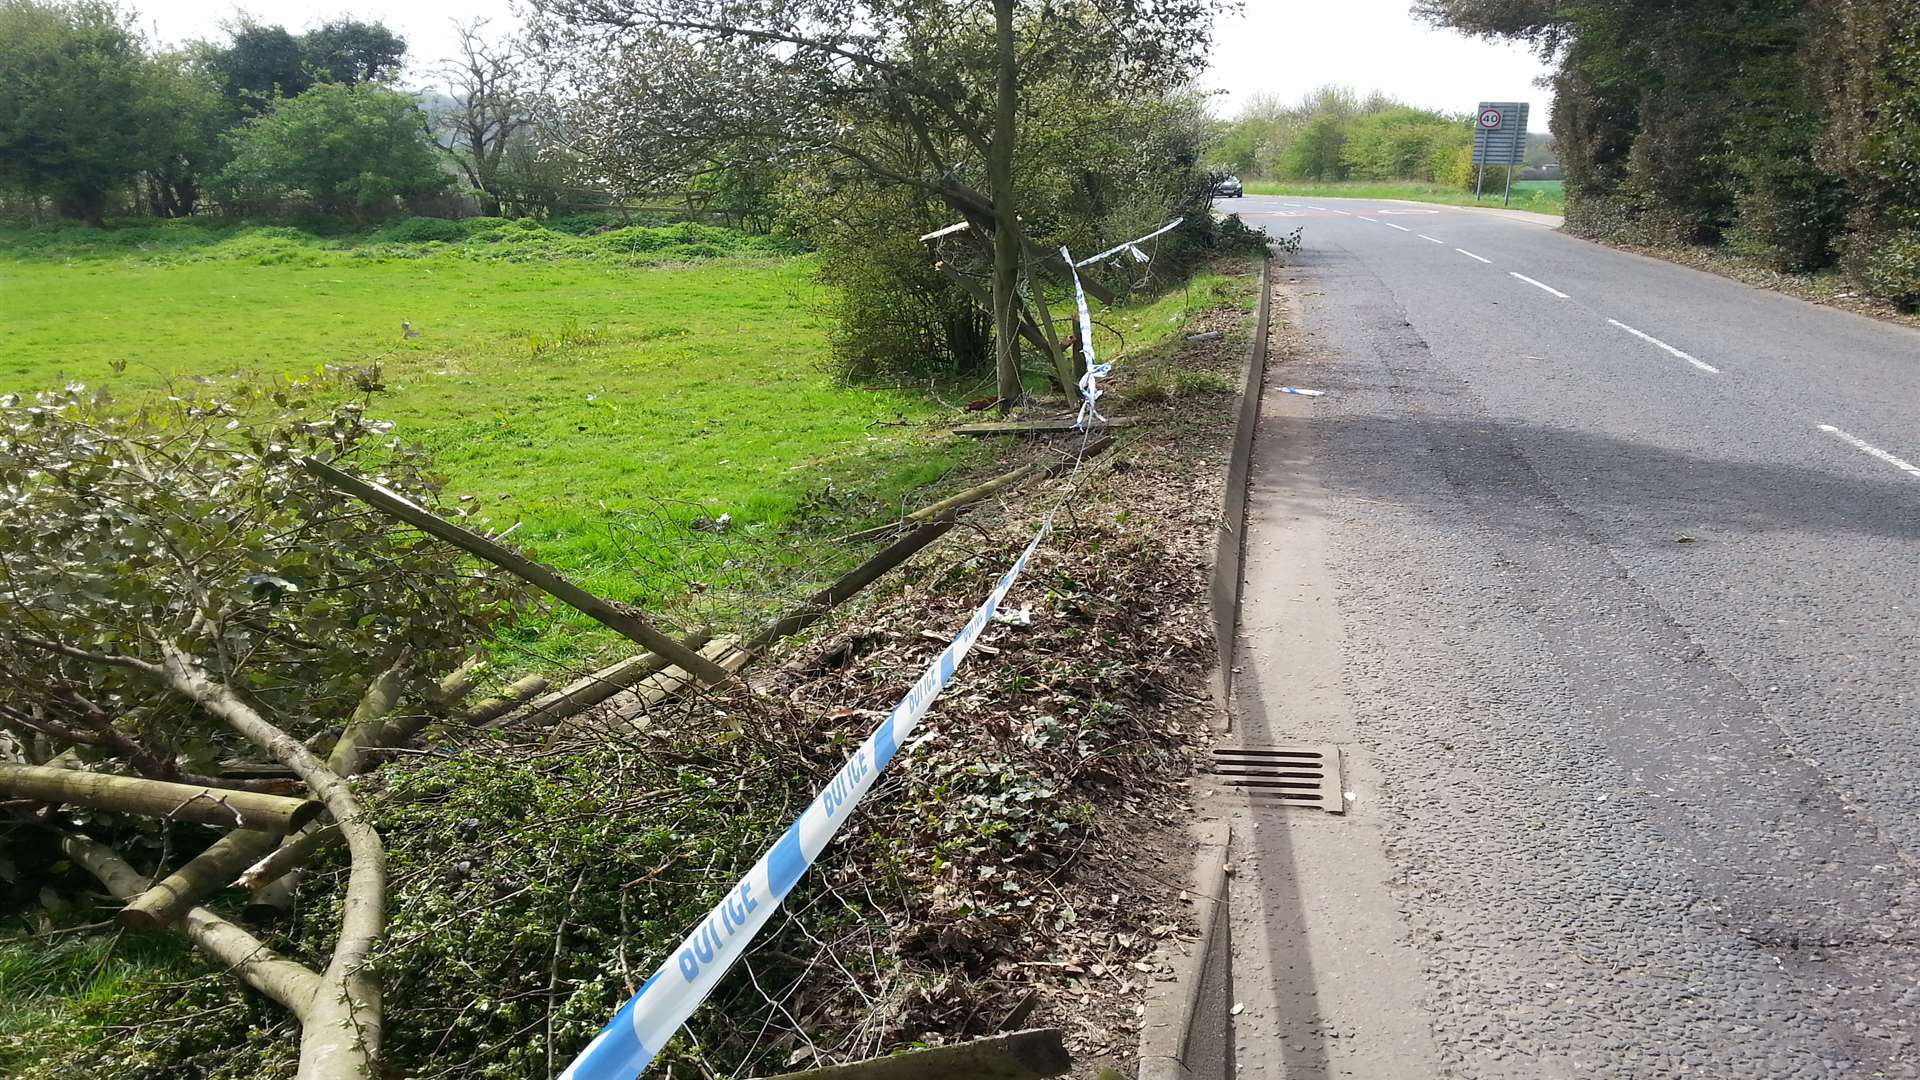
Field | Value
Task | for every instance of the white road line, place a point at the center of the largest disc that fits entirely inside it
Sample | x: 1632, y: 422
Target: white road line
x: 1343, y: 212
x: 1904, y: 466
x: 1364, y: 217
x: 1391, y: 225
x: 1651, y: 340
x: 1538, y: 284
x: 1471, y: 255
x: 1322, y: 209
x: 1433, y: 240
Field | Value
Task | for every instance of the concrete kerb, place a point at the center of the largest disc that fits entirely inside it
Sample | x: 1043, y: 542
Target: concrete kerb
x: 1184, y: 1030
x: 1229, y: 544
x: 1175, y: 1010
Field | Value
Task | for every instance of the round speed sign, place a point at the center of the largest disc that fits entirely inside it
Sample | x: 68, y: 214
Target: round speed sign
x: 1489, y: 118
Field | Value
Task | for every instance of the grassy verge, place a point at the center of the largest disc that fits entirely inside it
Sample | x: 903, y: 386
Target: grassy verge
x: 1539, y: 196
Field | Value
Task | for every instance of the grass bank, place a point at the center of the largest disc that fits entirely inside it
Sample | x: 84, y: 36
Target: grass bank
x: 1539, y: 196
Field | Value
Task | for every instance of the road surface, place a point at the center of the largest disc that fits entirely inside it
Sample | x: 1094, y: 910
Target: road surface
x: 1606, y: 574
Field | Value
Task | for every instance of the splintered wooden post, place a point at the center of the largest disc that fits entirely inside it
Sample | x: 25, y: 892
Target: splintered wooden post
x: 615, y: 617
x: 158, y: 798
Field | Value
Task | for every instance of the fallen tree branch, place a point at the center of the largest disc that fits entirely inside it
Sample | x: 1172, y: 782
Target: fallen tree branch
x: 953, y: 504
x: 158, y: 798
x: 340, y: 1026
x: 620, y: 618
x: 292, y: 985
x: 200, y: 877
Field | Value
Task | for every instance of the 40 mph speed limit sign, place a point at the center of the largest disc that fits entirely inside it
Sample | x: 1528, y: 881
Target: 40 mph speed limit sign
x: 1489, y: 118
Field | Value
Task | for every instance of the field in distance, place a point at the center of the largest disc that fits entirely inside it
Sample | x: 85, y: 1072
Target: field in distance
x: 1539, y: 196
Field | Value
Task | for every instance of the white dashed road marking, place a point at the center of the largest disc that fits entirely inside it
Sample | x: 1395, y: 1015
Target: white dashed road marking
x: 1364, y: 217
x: 1651, y: 340
x: 1471, y: 255
x: 1391, y: 225
x: 1904, y: 466
x: 1343, y: 212
x: 1433, y: 240
x: 1538, y: 284
x: 1322, y: 209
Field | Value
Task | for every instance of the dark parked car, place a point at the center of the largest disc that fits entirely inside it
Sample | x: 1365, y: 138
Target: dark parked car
x: 1226, y: 186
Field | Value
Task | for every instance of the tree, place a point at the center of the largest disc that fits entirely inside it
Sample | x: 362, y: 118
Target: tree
x: 351, y: 52
x: 188, y: 118
x: 75, y: 112
x: 259, y: 64
x: 183, y: 594
x: 925, y: 95
x: 496, y: 88
x: 1315, y: 154
x: 351, y: 149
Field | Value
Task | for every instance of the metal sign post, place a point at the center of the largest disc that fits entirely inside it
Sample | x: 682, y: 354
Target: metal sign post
x: 1499, y: 138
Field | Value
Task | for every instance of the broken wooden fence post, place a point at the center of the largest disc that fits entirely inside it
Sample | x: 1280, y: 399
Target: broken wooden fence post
x: 158, y: 798
x: 613, y: 616
x: 1022, y: 1055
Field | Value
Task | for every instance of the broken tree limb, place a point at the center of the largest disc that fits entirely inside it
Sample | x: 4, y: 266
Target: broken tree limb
x: 591, y: 690
x: 817, y: 605
x: 517, y: 693
x: 617, y: 617
x: 953, y: 504
x: 252, y: 960
x: 200, y: 877
x: 289, y: 856
x: 980, y: 296
x: 341, y: 1021
x: 1036, y: 427
x: 1022, y: 1055
x: 277, y: 814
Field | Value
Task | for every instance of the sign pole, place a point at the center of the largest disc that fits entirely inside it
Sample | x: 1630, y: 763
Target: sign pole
x: 1479, y: 181
x: 1508, y: 201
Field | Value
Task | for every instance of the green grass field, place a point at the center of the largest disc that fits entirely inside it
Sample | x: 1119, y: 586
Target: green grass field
x: 603, y: 392
x: 1539, y: 196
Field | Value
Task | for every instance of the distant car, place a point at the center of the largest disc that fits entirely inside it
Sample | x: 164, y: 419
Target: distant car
x: 1227, y: 186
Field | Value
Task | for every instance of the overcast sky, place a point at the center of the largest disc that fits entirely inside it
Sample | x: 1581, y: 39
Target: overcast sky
x: 1283, y: 47
x: 1289, y: 47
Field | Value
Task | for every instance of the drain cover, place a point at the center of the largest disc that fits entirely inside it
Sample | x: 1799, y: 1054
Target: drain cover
x: 1296, y: 775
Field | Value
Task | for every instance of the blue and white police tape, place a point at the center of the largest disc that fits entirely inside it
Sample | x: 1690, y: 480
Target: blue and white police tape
x: 1302, y: 392
x: 1131, y: 245
x: 1089, y: 391
x: 628, y: 1043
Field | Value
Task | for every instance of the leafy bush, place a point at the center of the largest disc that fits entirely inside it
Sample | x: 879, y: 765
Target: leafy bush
x: 416, y: 230
x: 352, y: 149
x: 191, y: 524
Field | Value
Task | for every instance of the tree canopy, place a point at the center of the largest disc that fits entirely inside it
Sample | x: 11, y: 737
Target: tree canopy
x: 76, y: 112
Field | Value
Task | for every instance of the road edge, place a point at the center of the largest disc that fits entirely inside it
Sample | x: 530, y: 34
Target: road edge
x: 1175, y: 1009
x: 1229, y: 543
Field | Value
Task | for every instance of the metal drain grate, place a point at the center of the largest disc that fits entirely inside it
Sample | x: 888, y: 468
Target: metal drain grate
x: 1295, y: 775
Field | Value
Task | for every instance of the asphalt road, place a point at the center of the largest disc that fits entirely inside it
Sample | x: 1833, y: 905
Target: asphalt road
x: 1620, y: 567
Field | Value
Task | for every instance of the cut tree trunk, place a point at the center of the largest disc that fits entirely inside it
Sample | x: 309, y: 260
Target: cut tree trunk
x: 158, y: 798
x: 201, y: 876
